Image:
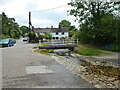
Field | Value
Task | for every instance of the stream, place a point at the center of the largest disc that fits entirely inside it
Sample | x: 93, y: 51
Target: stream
x: 64, y: 53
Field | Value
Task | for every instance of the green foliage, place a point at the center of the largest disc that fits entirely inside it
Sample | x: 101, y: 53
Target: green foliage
x: 82, y: 10
x: 116, y: 47
x: 65, y: 23
x: 31, y: 34
x: 99, y: 24
x: 40, y: 36
x: 4, y: 36
x: 46, y: 52
x: 47, y: 36
x: 88, y: 51
x: 10, y: 27
x: 62, y: 38
x: 32, y: 37
x: 76, y: 34
x: 0, y: 24
x: 24, y: 30
x: 35, y: 47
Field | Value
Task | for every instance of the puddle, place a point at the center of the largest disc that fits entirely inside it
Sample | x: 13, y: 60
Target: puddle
x: 38, y: 70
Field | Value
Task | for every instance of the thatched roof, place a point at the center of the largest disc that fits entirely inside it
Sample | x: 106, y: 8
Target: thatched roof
x: 50, y: 30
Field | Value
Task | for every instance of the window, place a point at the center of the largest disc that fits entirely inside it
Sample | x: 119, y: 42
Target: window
x: 57, y: 38
x: 53, y: 37
x: 56, y: 33
x: 62, y: 33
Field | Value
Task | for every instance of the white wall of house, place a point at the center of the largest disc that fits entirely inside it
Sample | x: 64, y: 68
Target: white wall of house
x: 60, y: 34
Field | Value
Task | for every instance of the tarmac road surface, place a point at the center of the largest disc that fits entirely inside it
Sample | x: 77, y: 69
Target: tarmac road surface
x: 22, y: 68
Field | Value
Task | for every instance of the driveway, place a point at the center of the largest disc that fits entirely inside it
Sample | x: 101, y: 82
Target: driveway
x: 22, y: 68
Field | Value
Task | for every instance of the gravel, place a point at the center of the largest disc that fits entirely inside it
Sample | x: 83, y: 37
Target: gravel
x: 78, y: 69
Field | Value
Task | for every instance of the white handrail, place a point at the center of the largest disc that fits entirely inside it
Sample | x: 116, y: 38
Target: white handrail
x: 59, y: 41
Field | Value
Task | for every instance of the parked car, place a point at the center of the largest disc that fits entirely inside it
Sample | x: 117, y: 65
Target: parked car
x: 7, y: 42
x: 25, y: 39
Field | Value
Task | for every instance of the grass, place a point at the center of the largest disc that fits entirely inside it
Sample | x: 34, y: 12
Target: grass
x: 88, y: 51
x: 44, y: 51
x: 50, y: 43
x: 114, y: 49
x: 35, y: 47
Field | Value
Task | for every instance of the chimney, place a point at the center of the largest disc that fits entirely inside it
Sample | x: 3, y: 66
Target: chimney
x: 59, y: 26
x: 51, y: 26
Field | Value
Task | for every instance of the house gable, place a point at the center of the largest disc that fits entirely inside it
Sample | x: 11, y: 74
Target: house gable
x: 57, y: 33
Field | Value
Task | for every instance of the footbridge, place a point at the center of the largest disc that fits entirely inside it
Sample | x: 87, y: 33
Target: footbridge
x: 59, y: 46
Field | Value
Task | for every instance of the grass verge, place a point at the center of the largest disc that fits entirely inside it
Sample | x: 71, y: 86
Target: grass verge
x: 113, y: 49
x: 35, y: 47
x: 44, y: 51
x: 88, y: 51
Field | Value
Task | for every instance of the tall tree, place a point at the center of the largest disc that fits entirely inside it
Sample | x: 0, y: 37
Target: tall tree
x: 9, y: 27
x: 96, y: 20
x: 65, y: 23
x: 0, y: 25
x: 83, y: 10
x: 24, y: 30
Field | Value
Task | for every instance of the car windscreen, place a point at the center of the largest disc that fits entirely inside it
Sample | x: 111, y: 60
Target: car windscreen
x: 5, y: 40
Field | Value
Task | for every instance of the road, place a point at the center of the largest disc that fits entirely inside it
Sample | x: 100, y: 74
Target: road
x: 22, y: 68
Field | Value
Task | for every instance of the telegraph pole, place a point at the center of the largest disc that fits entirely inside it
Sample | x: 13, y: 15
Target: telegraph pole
x: 30, y: 24
x: 29, y: 20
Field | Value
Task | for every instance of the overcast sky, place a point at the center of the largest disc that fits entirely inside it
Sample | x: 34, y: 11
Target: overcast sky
x: 19, y: 10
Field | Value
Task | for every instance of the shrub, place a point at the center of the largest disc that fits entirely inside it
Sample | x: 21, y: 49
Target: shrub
x: 116, y: 47
x: 4, y: 36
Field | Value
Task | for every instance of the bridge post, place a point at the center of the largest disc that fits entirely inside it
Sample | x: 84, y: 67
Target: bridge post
x: 39, y: 42
x: 71, y: 48
x: 69, y: 53
x: 63, y: 41
x: 77, y: 40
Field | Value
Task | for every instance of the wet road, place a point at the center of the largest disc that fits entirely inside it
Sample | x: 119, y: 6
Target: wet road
x: 22, y: 68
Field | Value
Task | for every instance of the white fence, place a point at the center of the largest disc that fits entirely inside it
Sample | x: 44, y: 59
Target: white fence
x: 58, y: 42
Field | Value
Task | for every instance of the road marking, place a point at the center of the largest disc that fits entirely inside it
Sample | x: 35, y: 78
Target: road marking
x: 38, y: 70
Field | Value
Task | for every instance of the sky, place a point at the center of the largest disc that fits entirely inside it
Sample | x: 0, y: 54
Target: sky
x: 40, y: 15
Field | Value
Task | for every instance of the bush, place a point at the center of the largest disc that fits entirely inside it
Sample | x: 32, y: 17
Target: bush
x: 32, y: 37
x: 116, y: 48
x: 4, y: 36
x: 62, y: 38
x: 47, y: 36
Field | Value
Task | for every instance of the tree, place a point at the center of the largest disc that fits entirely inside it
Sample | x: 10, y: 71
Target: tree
x: 40, y: 36
x: 9, y: 27
x: 72, y: 31
x: 83, y: 10
x: 24, y: 30
x: 32, y: 37
x: 65, y: 23
x: 97, y: 21
x: 47, y: 36
x: 0, y: 25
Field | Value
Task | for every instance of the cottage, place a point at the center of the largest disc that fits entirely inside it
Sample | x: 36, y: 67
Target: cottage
x: 56, y: 33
